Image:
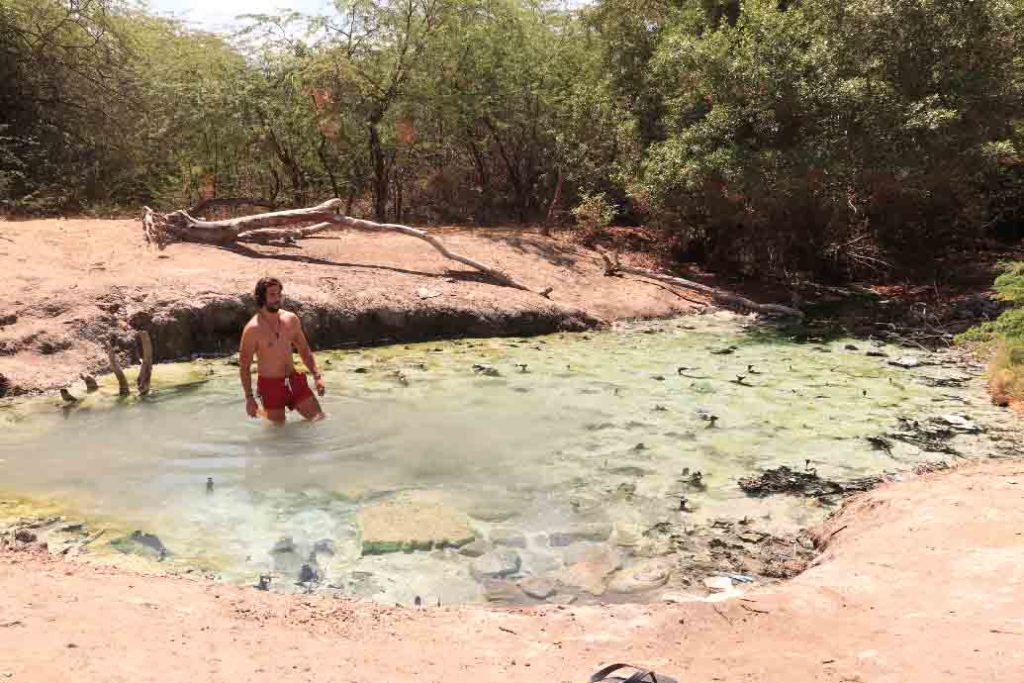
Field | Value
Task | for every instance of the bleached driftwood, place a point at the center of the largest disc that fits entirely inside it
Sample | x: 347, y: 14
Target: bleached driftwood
x: 292, y: 225
x: 725, y: 299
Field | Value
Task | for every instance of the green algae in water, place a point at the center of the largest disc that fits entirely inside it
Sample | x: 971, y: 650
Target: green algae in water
x: 541, y: 437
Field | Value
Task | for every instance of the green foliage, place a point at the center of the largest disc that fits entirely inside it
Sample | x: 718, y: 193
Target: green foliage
x: 827, y: 137
x: 820, y: 137
x: 1010, y: 283
x: 1008, y: 328
x: 1004, y: 336
x: 594, y: 212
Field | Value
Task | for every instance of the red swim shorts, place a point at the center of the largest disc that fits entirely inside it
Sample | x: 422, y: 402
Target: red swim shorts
x: 283, y: 392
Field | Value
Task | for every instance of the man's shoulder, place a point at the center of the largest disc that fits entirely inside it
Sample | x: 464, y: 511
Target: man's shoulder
x: 288, y: 316
x: 252, y: 324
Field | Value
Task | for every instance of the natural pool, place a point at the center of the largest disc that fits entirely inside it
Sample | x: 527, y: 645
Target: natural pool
x: 547, y: 451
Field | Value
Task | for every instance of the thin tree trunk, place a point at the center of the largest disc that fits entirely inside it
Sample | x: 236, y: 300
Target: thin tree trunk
x: 380, y: 175
x: 550, y: 217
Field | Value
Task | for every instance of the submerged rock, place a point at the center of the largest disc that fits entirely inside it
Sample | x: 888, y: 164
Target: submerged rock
x: 407, y: 525
x: 499, y: 590
x: 309, y: 573
x: 643, y: 576
x: 905, y: 362
x: 538, y: 587
x: 508, y: 536
x: 324, y: 546
x: 140, y: 543
x: 285, y: 556
x: 475, y: 548
x: 595, y: 531
x: 589, y: 567
x: 496, y: 564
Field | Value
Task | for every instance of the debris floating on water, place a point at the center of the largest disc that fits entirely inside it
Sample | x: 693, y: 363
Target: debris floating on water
x: 785, y: 480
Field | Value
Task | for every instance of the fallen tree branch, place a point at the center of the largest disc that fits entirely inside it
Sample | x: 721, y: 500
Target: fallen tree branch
x: 727, y: 299
x: 146, y: 372
x: 163, y: 229
x: 115, y: 367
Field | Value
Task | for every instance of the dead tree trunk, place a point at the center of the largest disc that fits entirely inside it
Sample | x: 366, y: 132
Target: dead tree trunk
x: 122, y: 381
x: 146, y: 372
x: 162, y: 229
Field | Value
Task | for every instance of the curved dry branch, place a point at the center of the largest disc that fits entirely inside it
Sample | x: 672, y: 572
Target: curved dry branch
x: 727, y: 299
x: 181, y: 226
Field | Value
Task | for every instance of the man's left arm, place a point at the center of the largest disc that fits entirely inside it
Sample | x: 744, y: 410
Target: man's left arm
x: 306, y: 353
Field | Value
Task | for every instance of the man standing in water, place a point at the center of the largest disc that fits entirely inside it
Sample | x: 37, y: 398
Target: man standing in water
x: 270, y: 335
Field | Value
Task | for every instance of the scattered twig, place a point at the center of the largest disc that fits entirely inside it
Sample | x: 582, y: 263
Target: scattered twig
x: 722, y: 614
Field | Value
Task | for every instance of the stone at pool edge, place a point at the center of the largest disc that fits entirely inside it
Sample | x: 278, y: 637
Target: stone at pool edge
x: 143, y: 544
x: 495, y: 564
x: 407, y: 525
x: 475, y: 548
x: 538, y: 587
x: 595, y: 531
x: 642, y: 576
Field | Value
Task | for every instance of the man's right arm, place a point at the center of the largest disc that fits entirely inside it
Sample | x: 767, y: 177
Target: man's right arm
x: 245, y: 354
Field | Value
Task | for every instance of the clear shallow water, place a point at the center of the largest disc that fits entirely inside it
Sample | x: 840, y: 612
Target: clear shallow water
x: 576, y: 431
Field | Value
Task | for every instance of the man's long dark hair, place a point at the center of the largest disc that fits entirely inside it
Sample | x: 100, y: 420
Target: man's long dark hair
x: 262, y: 286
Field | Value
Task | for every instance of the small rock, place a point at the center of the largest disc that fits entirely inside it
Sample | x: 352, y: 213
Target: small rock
x: 753, y: 536
x: 424, y: 293
x: 495, y: 564
x: 850, y: 347
x: 538, y: 587
x: 906, y: 362
x: 597, y: 531
x: 497, y: 590
x: 562, y: 599
x: 140, y: 543
x: 642, y: 576
x: 718, y: 583
x: 506, y: 536
x: 309, y: 573
x: 589, y: 565
x: 960, y: 423
x: 475, y: 548
x: 284, y: 545
x: 25, y: 536
x: 877, y: 354
x: 7, y: 319
x: 626, y: 536
x: 487, y: 370
x: 324, y: 546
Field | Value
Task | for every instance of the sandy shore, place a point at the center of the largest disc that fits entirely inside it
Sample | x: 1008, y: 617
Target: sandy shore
x: 920, y: 581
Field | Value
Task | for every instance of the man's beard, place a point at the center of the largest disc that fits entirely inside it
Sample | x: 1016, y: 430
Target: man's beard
x: 272, y: 308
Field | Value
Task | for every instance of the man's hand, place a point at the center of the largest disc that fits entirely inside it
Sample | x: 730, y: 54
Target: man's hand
x: 251, y: 407
x: 320, y: 389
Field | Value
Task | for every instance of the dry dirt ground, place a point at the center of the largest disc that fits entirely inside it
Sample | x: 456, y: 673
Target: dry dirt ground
x: 68, y: 283
x: 920, y: 582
